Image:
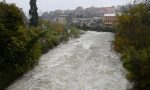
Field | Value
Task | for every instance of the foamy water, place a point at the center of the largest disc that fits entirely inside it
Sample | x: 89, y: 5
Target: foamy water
x: 87, y: 63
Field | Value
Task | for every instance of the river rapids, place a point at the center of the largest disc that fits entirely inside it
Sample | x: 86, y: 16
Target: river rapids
x: 86, y: 63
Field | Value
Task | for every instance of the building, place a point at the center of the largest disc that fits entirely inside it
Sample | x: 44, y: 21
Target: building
x: 82, y: 21
x: 61, y: 20
x: 146, y: 2
x: 142, y: 1
x: 110, y: 9
x: 109, y: 20
x: 79, y: 9
x: 119, y: 9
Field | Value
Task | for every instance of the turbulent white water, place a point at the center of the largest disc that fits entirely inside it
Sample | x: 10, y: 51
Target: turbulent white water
x: 86, y: 63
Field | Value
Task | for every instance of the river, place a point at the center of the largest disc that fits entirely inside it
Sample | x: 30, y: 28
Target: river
x: 86, y: 63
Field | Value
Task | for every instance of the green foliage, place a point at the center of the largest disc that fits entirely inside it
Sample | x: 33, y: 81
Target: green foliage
x: 97, y: 28
x: 10, y: 16
x: 74, y: 32
x: 71, y: 32
x: 105, y: 29
x: 19, y: 54
x: 34, y: 20
x: 133, y: 41
x: 21, y: 46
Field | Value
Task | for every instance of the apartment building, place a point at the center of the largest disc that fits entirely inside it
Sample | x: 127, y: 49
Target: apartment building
x: 109, y: 20
x: 142, y: 1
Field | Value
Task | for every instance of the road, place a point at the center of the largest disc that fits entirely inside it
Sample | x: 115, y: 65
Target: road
x: 86, y: 63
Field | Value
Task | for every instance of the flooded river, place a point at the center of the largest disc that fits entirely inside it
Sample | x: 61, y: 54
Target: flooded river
x: 86, y: 63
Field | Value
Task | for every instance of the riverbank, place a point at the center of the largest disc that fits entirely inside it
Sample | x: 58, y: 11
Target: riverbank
x: 45, y: 42
x: 132, y: 40
x: 22, y: 45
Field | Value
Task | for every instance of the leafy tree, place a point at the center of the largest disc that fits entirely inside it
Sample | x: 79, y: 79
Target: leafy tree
x: 33, y: 13
x: 11, y: 16
x: 21, y: 46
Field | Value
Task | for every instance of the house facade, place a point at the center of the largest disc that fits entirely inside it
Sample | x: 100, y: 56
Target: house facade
x: 109, y: 20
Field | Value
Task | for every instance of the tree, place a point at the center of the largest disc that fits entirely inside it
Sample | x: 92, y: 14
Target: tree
x: 11, y: 17
x: 11, y: 46
x: 133, y: 41
x: 33, y: 13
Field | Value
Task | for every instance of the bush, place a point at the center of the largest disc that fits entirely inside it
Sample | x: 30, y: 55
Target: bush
x: 74, y: 32
x: 21, y: 46
x: 133, y: 41
x: 11, y: 17
x: 19, y: 54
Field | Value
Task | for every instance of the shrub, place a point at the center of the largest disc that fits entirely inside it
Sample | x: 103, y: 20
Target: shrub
x: 133, y: 41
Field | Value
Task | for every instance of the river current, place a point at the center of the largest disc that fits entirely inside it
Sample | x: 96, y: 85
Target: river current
x: 86, y: 63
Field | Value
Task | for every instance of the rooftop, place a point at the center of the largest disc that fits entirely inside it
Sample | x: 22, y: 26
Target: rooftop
x: 112, y: 14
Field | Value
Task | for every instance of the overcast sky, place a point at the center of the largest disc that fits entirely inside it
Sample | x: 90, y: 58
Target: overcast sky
x: 48, y: 5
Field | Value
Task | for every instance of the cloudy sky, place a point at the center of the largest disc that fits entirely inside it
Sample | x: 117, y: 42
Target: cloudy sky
x: 48, y: 5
